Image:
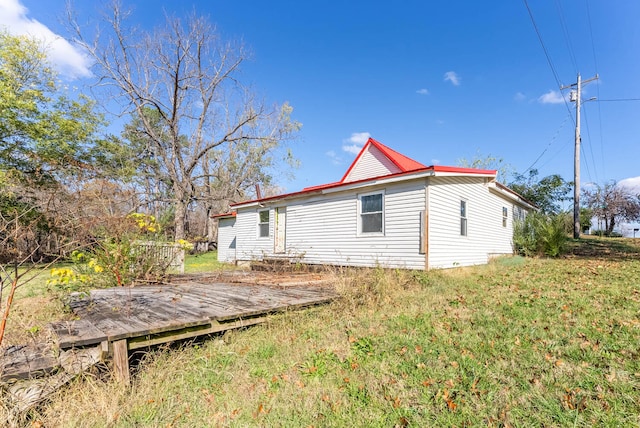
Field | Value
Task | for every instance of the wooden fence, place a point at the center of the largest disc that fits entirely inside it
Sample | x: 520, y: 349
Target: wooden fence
x: 166, y: 254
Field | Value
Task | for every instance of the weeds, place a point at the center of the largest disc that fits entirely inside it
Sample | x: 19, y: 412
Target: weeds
x: 520, y: 342
x: 539, y: 234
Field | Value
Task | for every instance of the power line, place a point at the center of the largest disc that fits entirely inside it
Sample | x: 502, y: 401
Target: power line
x: 555, y: 136
x: 567, y: 39
x: 595, y: 63
x: 546, y: 53
x: 620, y: 99
x: 593, y: 159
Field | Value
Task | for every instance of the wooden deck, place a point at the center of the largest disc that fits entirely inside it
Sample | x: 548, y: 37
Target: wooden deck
x: 121, y: 319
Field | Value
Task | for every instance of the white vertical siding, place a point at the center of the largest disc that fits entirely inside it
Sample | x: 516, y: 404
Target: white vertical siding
x: 486, y: 235
x: 372, y: 163
x: 227, y: 240
x: 324, y: 230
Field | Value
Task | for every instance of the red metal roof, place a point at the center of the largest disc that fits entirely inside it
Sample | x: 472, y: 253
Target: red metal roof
x: 312, y: 189
x: 223, y: 215
x: 403, y: 162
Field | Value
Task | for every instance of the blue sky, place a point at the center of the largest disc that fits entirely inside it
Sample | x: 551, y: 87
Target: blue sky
x: 437, y: 81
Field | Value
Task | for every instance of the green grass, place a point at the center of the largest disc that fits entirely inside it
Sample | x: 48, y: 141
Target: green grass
x: 204, y: 262
x: 520, y: 342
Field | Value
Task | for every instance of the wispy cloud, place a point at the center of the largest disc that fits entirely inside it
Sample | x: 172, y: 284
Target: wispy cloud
x: 354, y: 143
x: 452, y: 76
x: 68, y: 60
x: 519, y: 96
x: 335, y: 159
x: 422, y: 91
x: 551, y: 97
x: 435, y: 161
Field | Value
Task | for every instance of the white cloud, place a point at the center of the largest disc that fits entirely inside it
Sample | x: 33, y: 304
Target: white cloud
x: 335, y: 159
x: 631, y: 183
x: 435, y: 161
x: 452, y: 76
x: 551, y: 97
x: 354, y: 143
x: 68, y: 60
x: 422, y: 91
x: 519, y: 96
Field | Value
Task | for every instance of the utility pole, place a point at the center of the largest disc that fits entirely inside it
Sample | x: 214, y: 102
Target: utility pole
x: 576, y: 97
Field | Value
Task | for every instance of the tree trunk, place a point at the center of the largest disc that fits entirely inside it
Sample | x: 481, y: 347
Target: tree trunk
x: 211, y: 232
x: 611, y: 225
x: 179, y: 220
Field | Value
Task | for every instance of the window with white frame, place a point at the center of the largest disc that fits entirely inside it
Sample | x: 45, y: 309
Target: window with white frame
x: 518, y: 213
x: 263, y: 224
x: 505, y: 214
x: 371, y: 213
x: 463, y: 218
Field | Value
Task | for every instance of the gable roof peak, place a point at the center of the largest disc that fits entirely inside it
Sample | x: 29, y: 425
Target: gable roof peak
x: 401, y: 162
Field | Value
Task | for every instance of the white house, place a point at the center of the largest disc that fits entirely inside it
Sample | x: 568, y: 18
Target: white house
x: 388, y: 210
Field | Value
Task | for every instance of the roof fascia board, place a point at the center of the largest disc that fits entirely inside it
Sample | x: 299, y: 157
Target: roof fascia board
x: 513, y: 197
x: 378, y: 181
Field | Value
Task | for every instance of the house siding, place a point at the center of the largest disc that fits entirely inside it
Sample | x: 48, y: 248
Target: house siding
x: 324, y: 230
x: 227, y: 240
x: 373, y: 163
x: 249, y: 246
x: 486, y: 235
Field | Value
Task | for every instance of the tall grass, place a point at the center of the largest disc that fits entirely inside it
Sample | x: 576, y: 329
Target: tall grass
x: 519, y: 342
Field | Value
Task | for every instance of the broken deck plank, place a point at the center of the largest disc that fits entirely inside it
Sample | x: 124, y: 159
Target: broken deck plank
x: 25, y: 362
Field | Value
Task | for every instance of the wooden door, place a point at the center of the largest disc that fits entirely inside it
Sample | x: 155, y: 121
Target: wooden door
x: 281, y: 233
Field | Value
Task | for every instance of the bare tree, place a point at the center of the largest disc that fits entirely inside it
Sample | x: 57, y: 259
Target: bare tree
x: 180, y: 83
x: 612, y: 204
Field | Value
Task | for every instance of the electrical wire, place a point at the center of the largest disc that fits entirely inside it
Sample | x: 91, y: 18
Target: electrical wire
x: 595, y: 63
x: 620, y: 99
x: 567, y: 39
x: 546, y: 53
x: 593, y: 159
x: 555, y: 136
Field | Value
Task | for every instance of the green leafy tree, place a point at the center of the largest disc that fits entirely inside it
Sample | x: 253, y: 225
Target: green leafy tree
x: 547, y: 193
x: 43, y: 133
x: 46, y: 138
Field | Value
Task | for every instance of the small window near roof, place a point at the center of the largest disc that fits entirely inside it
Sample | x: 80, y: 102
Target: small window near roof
x: 463, y: 218
x: 505, y: 214
x: 263, y: 224
x: 371, y: 213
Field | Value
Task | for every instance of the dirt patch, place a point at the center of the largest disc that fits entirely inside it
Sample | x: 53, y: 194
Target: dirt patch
x: 280, y: 279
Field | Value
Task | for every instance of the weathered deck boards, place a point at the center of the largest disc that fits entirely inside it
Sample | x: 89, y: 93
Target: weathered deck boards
x: 24, y: 362
x: 123, y: 313
x: 114, y: 321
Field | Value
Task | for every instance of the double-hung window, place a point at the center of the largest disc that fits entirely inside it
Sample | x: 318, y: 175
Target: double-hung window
x: 463, y: 218
x: 505, y: 215
x: 372, y: 213
x: 263, y: 224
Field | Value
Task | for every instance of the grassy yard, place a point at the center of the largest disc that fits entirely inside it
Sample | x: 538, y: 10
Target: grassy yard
x: 520, y: 342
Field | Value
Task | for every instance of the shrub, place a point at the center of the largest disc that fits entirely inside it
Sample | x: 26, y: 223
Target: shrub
x: 540, y: 234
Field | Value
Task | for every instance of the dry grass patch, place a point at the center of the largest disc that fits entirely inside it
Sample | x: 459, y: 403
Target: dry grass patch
x: 520, y: 342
